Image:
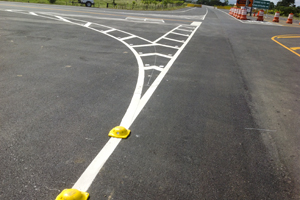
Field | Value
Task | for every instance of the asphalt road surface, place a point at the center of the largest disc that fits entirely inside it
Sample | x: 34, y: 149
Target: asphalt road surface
x: 212, y: 104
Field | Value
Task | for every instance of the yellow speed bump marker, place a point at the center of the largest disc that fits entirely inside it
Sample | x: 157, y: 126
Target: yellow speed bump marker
x: 72, y: 194
x: 119, y: 132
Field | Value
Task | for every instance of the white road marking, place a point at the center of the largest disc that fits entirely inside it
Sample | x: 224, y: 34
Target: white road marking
x: 110, y: 30
x: 63, y: 19
x: 129, y: 37
x: 156, y: 44
x: 166, y: 38
x: 185, y: 10
x: 157, y: 81
x: 136, y: 105
x: 196, y: 23
x: 88, y: 176
x: 166, y: 34
x: 184, y: 30
x: 33, y: 13
x: 179, y: 34
x: 88, y: 24
x: 153, y: 67
x: 155, y: 54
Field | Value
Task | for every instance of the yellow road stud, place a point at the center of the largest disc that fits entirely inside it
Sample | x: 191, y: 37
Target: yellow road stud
x: 119, y: 132
x: 72, y: 194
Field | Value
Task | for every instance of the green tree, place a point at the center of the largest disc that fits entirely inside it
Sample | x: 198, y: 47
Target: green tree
x: 272, y: 6
x: 285, y: 3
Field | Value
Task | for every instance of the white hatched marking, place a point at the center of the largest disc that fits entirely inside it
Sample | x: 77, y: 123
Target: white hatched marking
x: 182, y: 41
x: 88, y: 24
x: 155, y: 54
x: 32, y: 13
x: 129, y: 37
x: 196, y: 23
x: 110, y: 30
x: 180, y: 34
x: 154, y: 67
x: 184, y: 30
x: 155, y: 20
x: 156, y: 44
x: 135, y: 19
x: 63, y: 19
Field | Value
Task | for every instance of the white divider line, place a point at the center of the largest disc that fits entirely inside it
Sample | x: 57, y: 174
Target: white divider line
x: 155, y: 20
x: 180, y: 34
x: 110, y: 30
x: 136, y: 105
x: 88, y: 176
x: 32, y: 13
x: 155, y: 54
x: 88, y: 24
x: 184, y: 30
x: 181, y: 41
x: 156, y: 44
x: 205, y: 14
x: 63, y: 19
x: 154, y: 67
x: 129, y: 37
x: 135, y: 18
x: 166, y: 34
x: 159, y: 78
x: 196, y: 23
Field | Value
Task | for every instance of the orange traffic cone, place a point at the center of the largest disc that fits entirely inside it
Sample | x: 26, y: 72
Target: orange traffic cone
x: 240, y: 14
x: 254, y: 14
x: 244, y: 14
x: 231, y: 11
x: 276, y: 17
x: 234, y: 12
x: 290, y: 18
x: 260, y: 15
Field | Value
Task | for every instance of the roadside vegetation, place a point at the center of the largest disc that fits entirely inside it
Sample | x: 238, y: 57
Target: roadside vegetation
x: 118, y: 4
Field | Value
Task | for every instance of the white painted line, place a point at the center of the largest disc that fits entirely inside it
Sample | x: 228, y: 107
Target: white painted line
x: 155, y: 20
x: 153, y: 67
x: 135, y: 18
x: 182, y: 41
x: 87, y: 24
x: 88, y: 176
x: 196, y: 23
x: 159, y: 78
x: 187, y: 10
x: 155, y: 54
x: 166, y: 34
x: 129, y: 37
x: 156, y: 44
x: 187, y: 35
x: 136, y: 105
x: 205, y: 14
x: 110, y: 30
x: 63, y: 19
x: 184, y: 30
x: 32, y: 13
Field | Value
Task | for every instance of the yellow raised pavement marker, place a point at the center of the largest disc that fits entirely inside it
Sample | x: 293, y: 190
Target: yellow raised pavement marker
x: 119, y: 132
x: 72, y: 194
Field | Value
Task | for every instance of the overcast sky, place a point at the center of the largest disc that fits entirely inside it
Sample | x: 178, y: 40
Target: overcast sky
x: 297, y: 2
